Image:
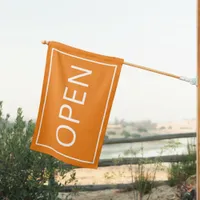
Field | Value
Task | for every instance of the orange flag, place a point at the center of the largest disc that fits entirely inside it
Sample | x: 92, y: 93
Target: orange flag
x: 77, y: 96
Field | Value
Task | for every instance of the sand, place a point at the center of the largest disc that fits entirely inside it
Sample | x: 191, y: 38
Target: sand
x: 113, y: 175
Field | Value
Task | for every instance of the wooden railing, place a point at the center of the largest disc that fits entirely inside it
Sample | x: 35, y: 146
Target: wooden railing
x: 150, y: 138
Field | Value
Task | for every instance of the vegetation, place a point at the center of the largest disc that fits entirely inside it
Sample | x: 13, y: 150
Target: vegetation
x: 111, y: 133
x: 162, y: 128
x: 26, y: 174
x: 145, y: 124
x: 179, y: 172
x: 141, y: 129
x: 126, y: 134
x: 143, y: 175
x: 106, y: 137
x: 136, y: 135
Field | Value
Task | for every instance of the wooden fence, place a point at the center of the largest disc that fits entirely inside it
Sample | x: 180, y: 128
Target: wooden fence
x: 128, y: 161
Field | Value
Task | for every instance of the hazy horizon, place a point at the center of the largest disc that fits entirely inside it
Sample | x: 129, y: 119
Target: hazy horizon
x: 157, y: 34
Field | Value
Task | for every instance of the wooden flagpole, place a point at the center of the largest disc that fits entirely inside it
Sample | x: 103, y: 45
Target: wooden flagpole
x: 138, y: 66
x: 198, y: 101
x: 152, y: 70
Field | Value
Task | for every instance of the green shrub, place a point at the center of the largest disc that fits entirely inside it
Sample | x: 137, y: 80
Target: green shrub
x: 126, y: 134
x: 143, y: 177
x: 162, y: 128
x: 25, y: 174
x: 140, y: 129
x: 179, y: 172
x: 136, y: 135
x: 111, y: 133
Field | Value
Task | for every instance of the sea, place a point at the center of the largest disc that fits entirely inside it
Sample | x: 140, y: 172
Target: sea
x: 148, y: 149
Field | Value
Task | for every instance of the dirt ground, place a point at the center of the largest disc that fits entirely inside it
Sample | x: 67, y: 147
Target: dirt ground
x: 161, y: 193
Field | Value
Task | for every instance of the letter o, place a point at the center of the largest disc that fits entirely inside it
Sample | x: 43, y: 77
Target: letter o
x: 73, y: 133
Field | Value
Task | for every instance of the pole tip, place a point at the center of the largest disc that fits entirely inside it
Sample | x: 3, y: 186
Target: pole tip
x: 44, y: 42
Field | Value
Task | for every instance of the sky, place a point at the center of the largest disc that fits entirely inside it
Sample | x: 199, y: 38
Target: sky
x: 159, y: 34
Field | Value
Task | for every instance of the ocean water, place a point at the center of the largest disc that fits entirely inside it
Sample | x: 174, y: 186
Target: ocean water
x: 154, y: 148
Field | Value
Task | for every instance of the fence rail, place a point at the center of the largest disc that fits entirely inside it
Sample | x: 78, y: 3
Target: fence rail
x: 137, y: 160
x: 128, y: 186
x: 147, y: 160
x: 150, y: 138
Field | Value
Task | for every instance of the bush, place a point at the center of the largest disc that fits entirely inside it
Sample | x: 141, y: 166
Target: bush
x: 143, y: 177
x: 24, y: 173
x: 136, y: 135
x: 162, y: 128
x: 106, y: 138
x: 179, y: 172
x: 111, y: 133
x: 140, y: 130
x: 126, y: 134
x: 143, y: 184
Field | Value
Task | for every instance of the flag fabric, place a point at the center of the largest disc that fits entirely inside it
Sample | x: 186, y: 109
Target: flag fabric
x: 76, y: 100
